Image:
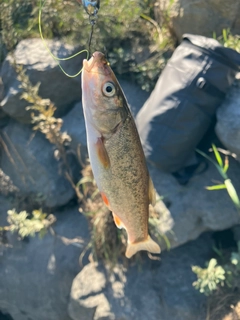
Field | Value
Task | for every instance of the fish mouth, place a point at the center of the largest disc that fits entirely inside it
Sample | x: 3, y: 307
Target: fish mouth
x: 97, y: 64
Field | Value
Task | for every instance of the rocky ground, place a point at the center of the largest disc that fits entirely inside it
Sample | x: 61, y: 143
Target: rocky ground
x: 43, y: 278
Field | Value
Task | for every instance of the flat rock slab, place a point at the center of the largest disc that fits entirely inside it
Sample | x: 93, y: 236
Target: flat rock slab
x: 151, y: 290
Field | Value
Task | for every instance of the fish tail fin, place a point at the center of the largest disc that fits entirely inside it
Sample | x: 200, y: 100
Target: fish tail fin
x: 148, y: 245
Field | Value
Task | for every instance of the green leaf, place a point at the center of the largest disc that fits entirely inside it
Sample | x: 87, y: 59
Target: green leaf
x: 217, y: 155
x: 84, y: 180
x: 216, y: 187
x: 232, y: 193
x: 220, y: 169
x: 226, y: 165
x: 225, y: 37
x: 167, y: 242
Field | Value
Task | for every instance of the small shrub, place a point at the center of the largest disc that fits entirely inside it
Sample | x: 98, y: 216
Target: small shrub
x: 209, y: 278
x: 26, y: 225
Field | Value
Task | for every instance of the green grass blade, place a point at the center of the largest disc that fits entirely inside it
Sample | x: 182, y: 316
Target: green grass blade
x: 207, y: 157
x: 84, y: 180
x: 224, y: 32
x: 220, y: 169
x: 226, y: 165
x: 217, y: 187
x: 232, y: 193
x: 167, y: 242
x: 217, y: 155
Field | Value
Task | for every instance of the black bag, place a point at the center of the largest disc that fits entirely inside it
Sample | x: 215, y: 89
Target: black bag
x: 184, y: 101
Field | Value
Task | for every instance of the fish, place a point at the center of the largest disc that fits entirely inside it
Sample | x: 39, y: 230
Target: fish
x: 116, y: 154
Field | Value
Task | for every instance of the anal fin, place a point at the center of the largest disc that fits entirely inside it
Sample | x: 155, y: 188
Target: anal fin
x: 148, y: 245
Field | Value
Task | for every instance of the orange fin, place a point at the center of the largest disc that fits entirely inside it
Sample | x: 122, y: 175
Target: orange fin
x: 117, y: 221
x: 148, y: 245
x: 105, y: 199
x: 151, y: 193
x: 102, y: 153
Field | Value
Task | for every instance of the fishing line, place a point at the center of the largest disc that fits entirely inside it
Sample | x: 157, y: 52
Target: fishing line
x: 41, y: 5
x: 90, y: 39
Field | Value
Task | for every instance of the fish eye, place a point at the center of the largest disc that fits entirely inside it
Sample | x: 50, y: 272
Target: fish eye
x: 108, y: 89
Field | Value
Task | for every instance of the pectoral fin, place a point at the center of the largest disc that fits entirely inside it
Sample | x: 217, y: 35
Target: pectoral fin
x: 102, y: 153
x: 151, y: 193
x: 117, y: 221
x: 148, y: 245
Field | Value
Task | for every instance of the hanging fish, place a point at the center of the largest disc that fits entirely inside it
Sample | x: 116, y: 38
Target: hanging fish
x: 116, y: 154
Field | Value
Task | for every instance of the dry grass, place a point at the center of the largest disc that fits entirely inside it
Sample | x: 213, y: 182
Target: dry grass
x: 225, y: 303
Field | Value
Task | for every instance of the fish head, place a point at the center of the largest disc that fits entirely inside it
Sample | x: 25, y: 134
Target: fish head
x: 104, y: 103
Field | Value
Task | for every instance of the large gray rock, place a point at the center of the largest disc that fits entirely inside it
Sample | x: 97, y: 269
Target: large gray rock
x: 28, y: 159
x: 195, y: 209
x: 41, y: 67
x: 228, y: 120
x: 202, y: 17
x: 36, y: 274
x: 155, y: 290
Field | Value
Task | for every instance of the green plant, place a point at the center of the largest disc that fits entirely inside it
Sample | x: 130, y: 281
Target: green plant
x: 222, y: 168
x: 209, y: 278
x: 215, y: 276
x: 228, y: 40
x: 26, y: 225
x: 125, y: 29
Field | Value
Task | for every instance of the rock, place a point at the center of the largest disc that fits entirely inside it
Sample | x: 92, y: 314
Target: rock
x: 143, y: 292
x: 2, y: 114
x: 201, y: 17
x: 1, y: 90
x: 74, y: 125
x: 7, y: 203
x: 134, y: 94
x: 194, y: 209
x: 41, y: 67
x: 36, y: 274
x: 28, y: 159
x: 228, y: 120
